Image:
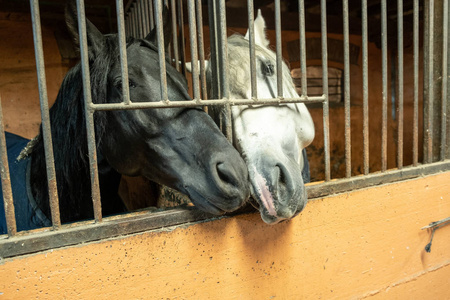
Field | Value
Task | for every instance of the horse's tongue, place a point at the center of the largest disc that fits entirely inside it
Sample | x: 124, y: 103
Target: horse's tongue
x: 262, y: 190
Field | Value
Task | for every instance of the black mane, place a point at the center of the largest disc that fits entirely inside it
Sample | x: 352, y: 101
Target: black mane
x: 68, y: 127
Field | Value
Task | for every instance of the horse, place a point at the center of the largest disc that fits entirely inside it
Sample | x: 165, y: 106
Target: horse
x: 271, y: 139
x: 181, y: 148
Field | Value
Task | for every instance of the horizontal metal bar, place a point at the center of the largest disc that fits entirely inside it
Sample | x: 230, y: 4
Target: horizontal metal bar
x: 193, y: 103
x: 44, y: 239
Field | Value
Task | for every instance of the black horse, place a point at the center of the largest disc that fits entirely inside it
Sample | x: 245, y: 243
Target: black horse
x: 178, y: 147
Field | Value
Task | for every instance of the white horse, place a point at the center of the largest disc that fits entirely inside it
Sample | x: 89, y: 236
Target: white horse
x: 271, y: 138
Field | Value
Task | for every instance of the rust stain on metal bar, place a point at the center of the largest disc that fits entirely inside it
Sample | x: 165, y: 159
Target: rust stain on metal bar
x: 6, y: 181
x: 326, y: 118
x: 95, y: 186
x: 45, y: 116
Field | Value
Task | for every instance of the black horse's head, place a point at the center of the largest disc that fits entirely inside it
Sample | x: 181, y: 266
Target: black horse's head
x: 178, y: 147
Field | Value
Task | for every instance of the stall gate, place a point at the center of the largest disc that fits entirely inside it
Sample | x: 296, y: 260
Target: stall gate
x: 366, y: 231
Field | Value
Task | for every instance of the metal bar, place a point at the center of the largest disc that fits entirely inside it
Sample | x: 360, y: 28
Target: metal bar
x: 444, y: 80
x: 365, y: 86
x: 139, y: 18
x: 348, y: 138
x: 145, y: 221
x: 326, y: 118
x: 133, y: 22
x: 416, y: 83
x: 45, y: 115
x: 223, y: 63
x: 123, y: 52
x: 384, y: 70
x: 89, y: 114
x: 136, y: 20
x: 279, y: 54
x: 213, y: 45
x: 145, y: 31
x: 400, y: 83
x: 181, y: 36
x: 8, y: 202
x: 127, y: 25
x: 161, y: 53
x: 145, y: 11
x: 195, y: 103
x: 303, y: 68
x: 251, y: 41
x: 429, y: 121
x: 174, y: 34
x: 194, y: 49
x: 151, y: 15
x: 201, y: 49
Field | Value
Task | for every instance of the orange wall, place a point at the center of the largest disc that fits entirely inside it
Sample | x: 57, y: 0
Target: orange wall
x: 363, y: 244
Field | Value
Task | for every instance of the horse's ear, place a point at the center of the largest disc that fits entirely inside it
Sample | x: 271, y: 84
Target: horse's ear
x: 260, y: 31
x: 95, y: 38
x: 167, y: 28
x: 189, y: 65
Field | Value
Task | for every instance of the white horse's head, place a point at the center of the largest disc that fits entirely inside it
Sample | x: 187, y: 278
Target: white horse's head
x: 269, y: 138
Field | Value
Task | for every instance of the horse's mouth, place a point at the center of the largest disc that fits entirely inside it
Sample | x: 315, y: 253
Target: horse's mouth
x: 203, y: 203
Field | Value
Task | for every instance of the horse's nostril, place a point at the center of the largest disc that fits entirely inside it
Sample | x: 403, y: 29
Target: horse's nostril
x: 226, y: 174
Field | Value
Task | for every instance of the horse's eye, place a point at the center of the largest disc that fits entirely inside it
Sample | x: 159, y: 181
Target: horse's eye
x: 131, y: 84
x: 268, y: 69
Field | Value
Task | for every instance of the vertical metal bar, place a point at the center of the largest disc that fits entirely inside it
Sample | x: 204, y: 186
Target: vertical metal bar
x: 251, y: 41
x: 151, y: 15
x: 326, y: 117
x: 416, y: 83
x: 223, y: 48
x: 174, y: 35
x: 201, y: 49
x: 143, y: 18
x: 400, y: 83
x: 278, y: 46
x: 348, y: 140
x: 194, y: 49
x: 123, y: 51
x: 213, y: 45
x: 162, y: 57
x: 89, y: 113
x: 223, y: 62
x: 139, y: 18
x: 46, y: 129
x: 365, y: 87
x: 444, y: 80
x: 127, y: 25
x: 132, y: 22
x: 429, y: 121
x: 145, y: 11
x: 384, y: 84
x: 303, y: 68
x: 182, y: 38
x: 6, y: 181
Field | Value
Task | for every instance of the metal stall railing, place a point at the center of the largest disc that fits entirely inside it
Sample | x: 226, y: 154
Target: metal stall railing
x: 140, y: 16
